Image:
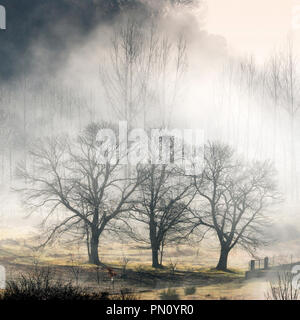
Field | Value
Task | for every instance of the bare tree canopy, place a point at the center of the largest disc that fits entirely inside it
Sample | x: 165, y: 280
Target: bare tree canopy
x: 162, y: 208
x: 68, y: 179
x: 232, y: 199
x: 142, y: 73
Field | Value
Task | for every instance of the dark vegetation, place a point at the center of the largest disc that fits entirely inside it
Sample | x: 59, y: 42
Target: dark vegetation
x: 42, y: 284
x: 283, y: 287
x: 169, y: 294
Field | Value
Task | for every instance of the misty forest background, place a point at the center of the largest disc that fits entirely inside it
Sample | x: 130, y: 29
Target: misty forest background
x: 59, y: 72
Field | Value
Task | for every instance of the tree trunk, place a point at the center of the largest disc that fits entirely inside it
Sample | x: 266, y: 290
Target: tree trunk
x: 88, y: 242
x: 161, y: 253
x: 154, y: 243
x: 155, y: 263
x: 222, y: 264
x: 94, y: 255
x: 293, y: 167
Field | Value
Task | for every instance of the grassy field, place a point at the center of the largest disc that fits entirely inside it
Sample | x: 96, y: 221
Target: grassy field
x: 188, y: 272
x: 233, y: 290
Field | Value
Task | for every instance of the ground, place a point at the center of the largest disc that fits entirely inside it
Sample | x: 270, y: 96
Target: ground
x: 188, y: 270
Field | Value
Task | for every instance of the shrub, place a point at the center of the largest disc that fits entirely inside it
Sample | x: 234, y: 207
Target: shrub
x: 282, y: 288
x: 42, y: 286
x: 125, y: 294
x: 189, y: 290
x: 170, y: 294
x: 173, y: 266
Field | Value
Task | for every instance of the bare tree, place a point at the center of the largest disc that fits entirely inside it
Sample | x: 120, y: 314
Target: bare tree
x: 120, y: 80
x: 70, y: 181
x: 248, y: 70
x: 142, y: 71
x: 162, y: 207
x: 290, y: 102
x: 6, y: 133
x: 232, y: 199
x: 274, y: 89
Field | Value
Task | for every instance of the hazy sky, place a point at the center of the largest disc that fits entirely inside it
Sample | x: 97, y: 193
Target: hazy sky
x: 252, y: 26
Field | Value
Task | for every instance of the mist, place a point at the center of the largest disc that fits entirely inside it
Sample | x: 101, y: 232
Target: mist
x: 51, y: 59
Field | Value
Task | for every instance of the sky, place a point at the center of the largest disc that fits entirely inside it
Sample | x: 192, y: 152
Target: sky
x: 248, y: 26
x: 252, y: 26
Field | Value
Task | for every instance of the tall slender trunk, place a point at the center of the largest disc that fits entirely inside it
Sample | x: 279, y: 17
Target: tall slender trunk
x: 222, y: 264
x: 293, y: 167
x: 10, y: 164
x: 275, y: 130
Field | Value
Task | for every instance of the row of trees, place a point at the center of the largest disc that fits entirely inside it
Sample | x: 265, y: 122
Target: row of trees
x: 154, y: 204
x: 142, y: 72
x: 261, y: 105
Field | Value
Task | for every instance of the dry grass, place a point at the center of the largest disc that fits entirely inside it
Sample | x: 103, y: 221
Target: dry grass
x: 234, y: 290
x: 191, y: 269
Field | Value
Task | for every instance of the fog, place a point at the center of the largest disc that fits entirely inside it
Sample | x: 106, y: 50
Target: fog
x: 51, y: 84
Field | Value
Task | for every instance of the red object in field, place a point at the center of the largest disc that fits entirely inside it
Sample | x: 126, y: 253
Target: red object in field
x: 111, y: 272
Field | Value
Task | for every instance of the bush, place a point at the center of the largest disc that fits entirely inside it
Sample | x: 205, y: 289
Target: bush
x: 42, y: 285
x: 282, y: 288
x: 125, y: 294
x: 189, y: 290
x: 170, y: 294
